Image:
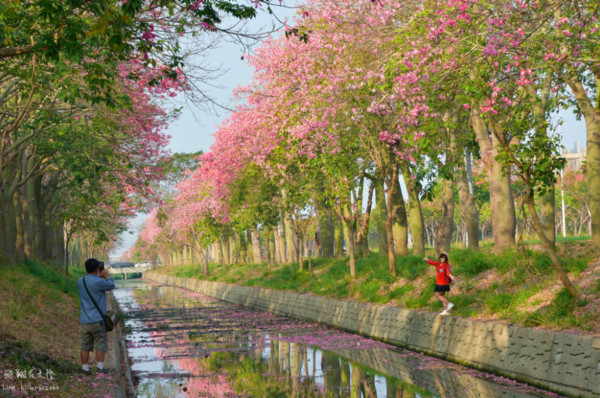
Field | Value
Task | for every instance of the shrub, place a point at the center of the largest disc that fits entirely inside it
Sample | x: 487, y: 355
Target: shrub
x: 499, y: 303
x: 411, y: 267
x: 470, y: 263
x: 400, y: 291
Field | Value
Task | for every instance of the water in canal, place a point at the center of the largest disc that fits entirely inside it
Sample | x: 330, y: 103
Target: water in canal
x: 183, y: 344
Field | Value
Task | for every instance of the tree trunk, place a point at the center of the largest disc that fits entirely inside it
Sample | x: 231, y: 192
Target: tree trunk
x: 548, y: 216
x: 348, y: 223
x: 3, y: 241
x: 547, y: 244
x: 19, y: 227
x: 444, y: 232
x: 243, y: 248
x: 400, y: 228
x: 280, y: 244
x: 365, y: 220
x: 591, y: 112
x: 250, y: 247
x: 290, y: 240
x: 27, y: 227
x: 60, y: 244
x: 235, y: 248
x: 256, y: 251
x: 339, y: 237
x: 217, y: 252
x: 326, y: 229
x: 415, y: 215
x: 8, y: 213
x: 501, y: 200
x: 37, y: 212
x: 468, y: 209
x: 592, y: 159
x: 391, y: 182
x: 270, y: 235
x: 67, y: 258
x: 226, y: 250
x: 380, y: 216
x: 301, y: 253
x: 502, y: 205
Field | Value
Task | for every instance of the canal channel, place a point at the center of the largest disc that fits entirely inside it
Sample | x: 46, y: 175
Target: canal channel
x: 184, y: 344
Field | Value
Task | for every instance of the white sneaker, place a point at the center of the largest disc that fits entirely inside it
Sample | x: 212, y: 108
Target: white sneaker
x: 445, y: 312
x: 450, y: 305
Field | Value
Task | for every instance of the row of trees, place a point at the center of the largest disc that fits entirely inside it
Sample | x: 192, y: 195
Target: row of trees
x: 83, y: 90
x: 324, y: 237
x: 361, y: 94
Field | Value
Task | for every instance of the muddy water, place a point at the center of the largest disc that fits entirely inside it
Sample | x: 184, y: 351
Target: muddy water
x: 183, y: 344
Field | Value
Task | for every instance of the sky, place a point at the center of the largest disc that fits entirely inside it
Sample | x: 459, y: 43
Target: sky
x: 193, y: 130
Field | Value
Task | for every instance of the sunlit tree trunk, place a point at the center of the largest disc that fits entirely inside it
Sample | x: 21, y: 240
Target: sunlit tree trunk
x: 256, y: 246
x: 365, y: 220
x: 400, y: 228
x: 591, y: 112
x: 348, y: 227
x: 548, y: 214
x: 444, y: 232
x: 380, y: 216
x: 415, y: 215
x: 468, y: 209
x: 391, y: 182
x: 501, y: 200
x: 357, y: 377
x: 290, y: 240
x: 280, y: 244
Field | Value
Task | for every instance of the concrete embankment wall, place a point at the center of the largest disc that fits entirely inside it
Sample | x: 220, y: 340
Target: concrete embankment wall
x: 566, y: 363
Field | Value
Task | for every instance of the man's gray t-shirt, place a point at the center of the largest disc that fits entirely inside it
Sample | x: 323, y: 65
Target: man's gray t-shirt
x: 97, y: 286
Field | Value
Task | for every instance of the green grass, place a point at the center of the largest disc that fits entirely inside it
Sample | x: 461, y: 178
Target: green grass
x: 55, y: 276
x: 520, y: 275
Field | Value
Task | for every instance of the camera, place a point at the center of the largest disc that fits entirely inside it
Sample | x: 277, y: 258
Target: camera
x: 101, y: 268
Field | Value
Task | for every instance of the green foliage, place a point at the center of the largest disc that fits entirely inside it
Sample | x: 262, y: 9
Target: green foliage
x: 562, y: 307
x: 411, y: 267
x: 401, y: 291
x: 53, y: 275
x: 470, y: 263
x: 422, y: 300
x: 520, y: 276
x: 369, y: 292
x: 499, y: 303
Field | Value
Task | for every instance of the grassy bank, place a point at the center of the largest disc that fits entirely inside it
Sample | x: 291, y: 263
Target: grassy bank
x: 518, y: 286
x: 39, y: 334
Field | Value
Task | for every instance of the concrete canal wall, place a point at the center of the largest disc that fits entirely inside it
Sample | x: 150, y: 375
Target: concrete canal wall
x: 566, y: 363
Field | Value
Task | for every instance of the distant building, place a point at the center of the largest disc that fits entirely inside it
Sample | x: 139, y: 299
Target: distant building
x: 574, y: 160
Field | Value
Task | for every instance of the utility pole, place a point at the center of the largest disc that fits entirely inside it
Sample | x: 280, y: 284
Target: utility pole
x: 562, y: 198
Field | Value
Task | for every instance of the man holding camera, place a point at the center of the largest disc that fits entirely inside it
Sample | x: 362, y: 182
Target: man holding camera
x: 93, y: 332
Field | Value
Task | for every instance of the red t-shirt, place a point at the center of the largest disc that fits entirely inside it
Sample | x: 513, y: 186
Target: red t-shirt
x: 441, y: 270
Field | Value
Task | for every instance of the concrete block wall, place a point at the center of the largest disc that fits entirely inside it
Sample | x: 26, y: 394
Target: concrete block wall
x: 562, y: 362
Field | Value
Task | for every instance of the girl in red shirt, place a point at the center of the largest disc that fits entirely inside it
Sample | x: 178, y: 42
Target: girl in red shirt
x: 443, y: 280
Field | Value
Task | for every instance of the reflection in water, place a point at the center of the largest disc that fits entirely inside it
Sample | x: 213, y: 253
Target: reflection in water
x: 184, y: 344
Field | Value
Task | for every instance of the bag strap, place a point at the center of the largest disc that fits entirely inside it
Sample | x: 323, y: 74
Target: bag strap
x: 91, y: 298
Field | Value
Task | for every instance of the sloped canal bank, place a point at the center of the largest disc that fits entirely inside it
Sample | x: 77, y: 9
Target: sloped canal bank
x: 184, y: 344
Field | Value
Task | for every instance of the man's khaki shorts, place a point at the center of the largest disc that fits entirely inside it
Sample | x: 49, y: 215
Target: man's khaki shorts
x: 94, y: 335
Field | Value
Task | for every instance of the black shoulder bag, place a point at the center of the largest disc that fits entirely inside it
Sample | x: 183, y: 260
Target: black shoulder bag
x: 110, y: 319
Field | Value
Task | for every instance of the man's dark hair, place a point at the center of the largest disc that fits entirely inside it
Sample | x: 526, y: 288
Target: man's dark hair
x: 445, y: 257
x: 91, y: 265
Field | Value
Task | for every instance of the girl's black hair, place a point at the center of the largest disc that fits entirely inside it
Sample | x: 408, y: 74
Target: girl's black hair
x: 445, y: 257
